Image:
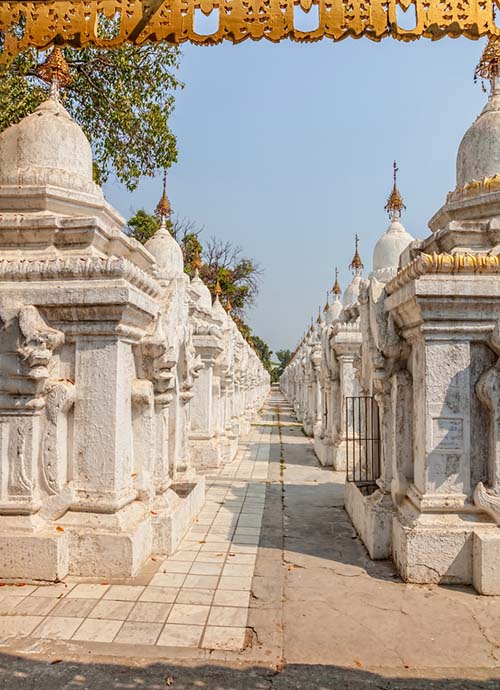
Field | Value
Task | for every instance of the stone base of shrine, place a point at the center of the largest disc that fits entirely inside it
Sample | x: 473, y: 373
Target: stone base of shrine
x: 108, y: 544
x: 179, y: 508
x: 372, y: 518
x: 324, y: 451
x: 447, y: 548
x: 29, y: 545
x: 339, y: 456
x: 230, y: 447
x: 207, y: 453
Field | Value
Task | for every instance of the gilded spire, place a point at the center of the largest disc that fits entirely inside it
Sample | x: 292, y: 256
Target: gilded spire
x: 229, y: 306
x: 356, y: 264
x: 327, y: 303
x: 336, y: 286
x: 488, y: 68
x: 217, y: 290
x: 196, y: 262
x: 164, y: 210
x: 319, y: 320
x: 55, y: 71
x: 395, y: 204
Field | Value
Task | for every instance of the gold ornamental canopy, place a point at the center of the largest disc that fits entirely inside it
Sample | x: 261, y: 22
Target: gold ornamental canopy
x: 356, y: 264
x: 40, y: 23
x: 395, y: 203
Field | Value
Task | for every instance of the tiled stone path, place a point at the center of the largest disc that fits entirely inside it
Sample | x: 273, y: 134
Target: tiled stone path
x: 198, y: 597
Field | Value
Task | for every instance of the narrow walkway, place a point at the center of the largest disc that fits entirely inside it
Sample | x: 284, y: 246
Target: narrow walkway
x: 271, y: 590
x: 197, y: 598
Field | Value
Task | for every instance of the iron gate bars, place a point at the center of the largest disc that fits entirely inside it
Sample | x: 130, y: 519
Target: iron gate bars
x: 362, y: 436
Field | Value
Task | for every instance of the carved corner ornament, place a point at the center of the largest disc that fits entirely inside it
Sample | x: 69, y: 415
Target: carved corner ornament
x: 488, y: 502
x: 36, y: 342
x: 40, y: 24
x: 488, y: 392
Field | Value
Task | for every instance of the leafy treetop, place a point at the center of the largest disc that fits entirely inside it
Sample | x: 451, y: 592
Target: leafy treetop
x: 122, y: 98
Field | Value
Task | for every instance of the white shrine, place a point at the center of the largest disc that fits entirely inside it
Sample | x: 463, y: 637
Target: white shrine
x: 119, y: 378
x: 402, y: 388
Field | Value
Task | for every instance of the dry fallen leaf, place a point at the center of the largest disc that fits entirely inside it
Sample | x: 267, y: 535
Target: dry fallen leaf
x: 56, y: 661
x: 59, y: 528
x: 153, y: 512
x: 170, y: 680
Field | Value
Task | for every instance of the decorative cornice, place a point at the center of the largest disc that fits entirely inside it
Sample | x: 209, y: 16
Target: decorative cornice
x: 78, y: 268
x: 447, y: 264
x: 475, y: 188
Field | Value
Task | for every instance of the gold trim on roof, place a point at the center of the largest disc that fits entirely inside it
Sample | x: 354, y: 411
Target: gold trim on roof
x: 40, y: 24
x: 475, y: 188
x: 449, y: 264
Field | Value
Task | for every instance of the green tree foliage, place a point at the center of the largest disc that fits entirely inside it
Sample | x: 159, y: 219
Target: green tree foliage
x: 142, y: 226
x: 238, y: 276
x: 264, y: 352
x: 284, y: 357
x: 122, y: 98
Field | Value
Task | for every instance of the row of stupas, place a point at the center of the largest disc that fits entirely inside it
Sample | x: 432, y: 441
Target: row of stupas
x: 121, y: 380
x: 400, y: 384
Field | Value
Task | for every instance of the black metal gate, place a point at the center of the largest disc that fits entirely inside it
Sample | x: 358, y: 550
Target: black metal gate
x: 362, y: 434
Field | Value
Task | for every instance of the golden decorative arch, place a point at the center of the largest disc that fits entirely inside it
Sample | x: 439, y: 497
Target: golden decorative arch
x: 40, y: 24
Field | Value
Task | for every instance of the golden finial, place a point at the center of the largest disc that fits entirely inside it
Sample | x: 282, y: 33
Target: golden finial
x: 164, y: 209
x: 327, y: 303
x: 488, y: 68
x: 229, y: 306
x: 395, y: 204
x: 336, y: 286
x: 196, y: 262
x: 218, y: 289
x: 356, y: 264
x: 55, y: 71
x: 319, y: 320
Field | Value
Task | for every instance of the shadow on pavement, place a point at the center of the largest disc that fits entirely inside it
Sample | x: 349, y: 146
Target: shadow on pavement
x: 17, y: 673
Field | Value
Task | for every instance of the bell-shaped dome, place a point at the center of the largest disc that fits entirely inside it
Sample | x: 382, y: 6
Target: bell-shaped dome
x: 167, y: 253
x: 334, y: 311
x: 389, y: 248
x: 200, y: 293
x: 352, y: 293
x: 479, y: 152
x: 219, y: 312
x: 47, y: 148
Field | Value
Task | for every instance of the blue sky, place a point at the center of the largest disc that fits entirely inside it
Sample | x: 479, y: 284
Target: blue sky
x: 287, y: 150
